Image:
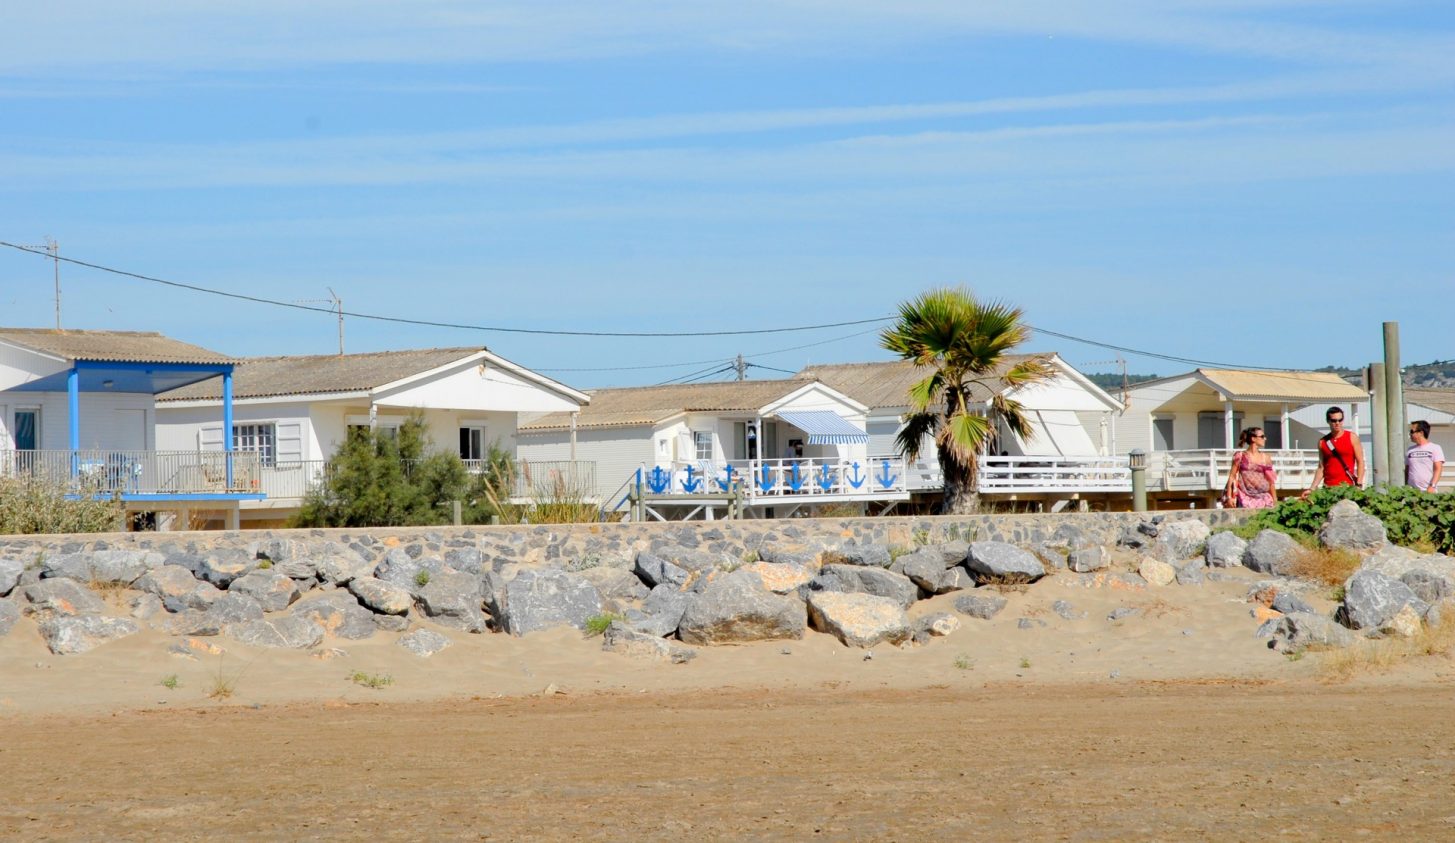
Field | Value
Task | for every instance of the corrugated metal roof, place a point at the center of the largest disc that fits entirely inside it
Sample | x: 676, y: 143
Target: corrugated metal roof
x: 110, y: 346
x: 263, y: 377
x: 631, y: 406
x: 1242, y: 385
x: 887, y: 384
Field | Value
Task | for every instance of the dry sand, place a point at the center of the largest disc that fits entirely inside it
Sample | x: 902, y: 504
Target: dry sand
x: 1173, y: 723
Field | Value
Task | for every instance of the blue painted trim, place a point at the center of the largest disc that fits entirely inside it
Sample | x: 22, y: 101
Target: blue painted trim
x: 162, y: 498
x: 227, y: 422
x: 73, y: 402
x: 128, y: 366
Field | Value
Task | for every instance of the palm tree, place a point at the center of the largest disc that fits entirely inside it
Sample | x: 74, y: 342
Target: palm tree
x: 961, y: 344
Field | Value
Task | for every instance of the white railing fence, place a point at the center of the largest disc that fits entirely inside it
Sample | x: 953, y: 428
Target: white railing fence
x: 1053, y: 474
x: 766, y: 479
x: 1207, y: 470
x: 106, y: 471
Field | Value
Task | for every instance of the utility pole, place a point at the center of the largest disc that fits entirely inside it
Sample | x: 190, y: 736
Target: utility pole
x: 1378, y: 424
x: 52, y: 248
x: 338, y: 307
x: 1126, y: 386
x: 1394, y: 403
x: 741, y: 366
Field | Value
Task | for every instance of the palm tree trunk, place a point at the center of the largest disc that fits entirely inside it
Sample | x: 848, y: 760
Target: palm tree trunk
x: 961, y: 494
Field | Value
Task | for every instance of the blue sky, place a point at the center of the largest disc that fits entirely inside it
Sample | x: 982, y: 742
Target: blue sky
x: 1252, y: 182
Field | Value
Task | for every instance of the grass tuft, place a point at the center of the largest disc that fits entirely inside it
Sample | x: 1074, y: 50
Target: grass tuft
x: 964, y: 662
x: 371, y: 680
x: 1331, y: 566
x: 1383, y: 654
x: 597, y: 624
x: 170, y: 682
x: 421, y: 579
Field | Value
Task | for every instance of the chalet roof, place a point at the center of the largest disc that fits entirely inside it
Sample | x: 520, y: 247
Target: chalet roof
x: 1307, y: 387
x: 110, y: 346
x: 632, y: 406
x: 885, y: 384
x: 262, y: 377
x: 1436, y: 398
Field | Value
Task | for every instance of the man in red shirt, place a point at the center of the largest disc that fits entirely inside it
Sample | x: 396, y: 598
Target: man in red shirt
x: 1341, y: 457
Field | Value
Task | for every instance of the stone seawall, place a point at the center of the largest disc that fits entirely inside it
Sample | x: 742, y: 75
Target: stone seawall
x: 616, y: 545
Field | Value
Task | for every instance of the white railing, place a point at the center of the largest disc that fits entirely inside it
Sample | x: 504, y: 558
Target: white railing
x: 287, y: 480
x: 757, y: 480
x: 1053, y: 474
x: 1207, y: 470
x: 107, y: 471
x: 550, y: 479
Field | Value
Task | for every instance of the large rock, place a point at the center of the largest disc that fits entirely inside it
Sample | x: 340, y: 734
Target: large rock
x: 951, y: 553
x: 661, y: 611
x: 657, y: 570
x: 790, y: 554
x: 864, y: 580
x: 453, y: 599
x: 60, y: 597
x: 123, y: 566
x: 383, y: 597
x: 219, y: 567
x: 1179, y: 540
x: 10, y: 570
x: 937, y: 625
x: 1002, y: 562
x: 273, y: 591
x: 423, y: 642
x: 1300, y: 630
x: 1225, y: 550
x: 293, y: 633
x: 9, y: 614
x: 926, y: 568
x: 339, y: 615
x: 616, y: 584
x: 408, y: 572
x: 691, y: 559
x: 979, y: 605
x: 339, y: 564
x: 736, y: 608
x: 1156, y: 572
x: 294, y: 559
x: 537, y: 600
x: 1084, y: 559
x: 868, y: 555
x: 1350, y: 529
x: 858, y: 620
x: 1435, y: 570
x: 70, y: 634
x: 619, y: 638
x: 1372, y: 599
x: 173, y: 584
x: 1272, y: 552
x: 1429, y: 586
x: 780, y: 577
x: 228, y: 609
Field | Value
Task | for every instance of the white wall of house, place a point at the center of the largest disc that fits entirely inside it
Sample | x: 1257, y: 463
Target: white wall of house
x: 618, y: 452
x: 109, y: 420
x: 19, y: 366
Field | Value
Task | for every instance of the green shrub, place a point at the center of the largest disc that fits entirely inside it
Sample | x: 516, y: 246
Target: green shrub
x: 37, y: 505
x: 1410, y: 516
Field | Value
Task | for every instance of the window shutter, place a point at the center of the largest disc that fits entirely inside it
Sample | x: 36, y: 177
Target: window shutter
x: 290, y: 442
x: 209, y: 438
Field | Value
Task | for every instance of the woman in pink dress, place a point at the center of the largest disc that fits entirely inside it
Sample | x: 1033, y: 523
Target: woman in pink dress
x: 1251, y: 484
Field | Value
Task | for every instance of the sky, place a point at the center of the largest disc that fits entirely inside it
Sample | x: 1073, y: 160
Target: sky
x: 1226, y: 182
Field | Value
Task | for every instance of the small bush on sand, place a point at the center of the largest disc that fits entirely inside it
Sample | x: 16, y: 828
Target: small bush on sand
x: 597, y: 624
x: 371, y: 680
x: 36, y: 505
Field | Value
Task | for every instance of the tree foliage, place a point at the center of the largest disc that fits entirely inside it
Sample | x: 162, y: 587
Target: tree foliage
x: 961, y: 343
x: 390, y: 479
x: 37, y: 505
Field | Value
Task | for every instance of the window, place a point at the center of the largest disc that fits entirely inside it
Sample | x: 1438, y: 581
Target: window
x: 702, y: 442
x: 27, y: 430
x: 1212, y: 430
x: 1162, y: 434
x: 472, y: 443
x: 261, y: 438
x: 1274, y: 429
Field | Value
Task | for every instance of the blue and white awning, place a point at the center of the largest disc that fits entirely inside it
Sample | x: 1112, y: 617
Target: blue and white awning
x: 825, y: 427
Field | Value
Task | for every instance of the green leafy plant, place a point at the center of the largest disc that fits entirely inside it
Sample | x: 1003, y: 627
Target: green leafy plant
x: 421, y: 579
x: 963, y: 662
x: 1025, y: 663
x: 265, y: 564
x: 37, y: 504
x: 597, y: 624
x: 1410, y: 517
x: 371, y: 680
x: 171, y: 682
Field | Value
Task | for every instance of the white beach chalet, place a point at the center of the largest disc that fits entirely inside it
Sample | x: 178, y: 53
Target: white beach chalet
x: 704, y: 449
x: 1071, y: 451
x: 1189, y: 426
x: 78, y: 408
x: 295, y: 412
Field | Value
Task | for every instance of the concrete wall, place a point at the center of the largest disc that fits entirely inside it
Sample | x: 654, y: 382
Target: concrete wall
x: 616, y: 545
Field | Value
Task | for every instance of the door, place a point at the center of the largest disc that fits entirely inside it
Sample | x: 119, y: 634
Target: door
x: 27, y: 430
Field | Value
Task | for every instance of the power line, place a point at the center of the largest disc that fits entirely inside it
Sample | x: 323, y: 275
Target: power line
x: 399, y: 320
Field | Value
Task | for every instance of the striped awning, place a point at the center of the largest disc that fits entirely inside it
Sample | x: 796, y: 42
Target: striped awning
x: 825, y: 427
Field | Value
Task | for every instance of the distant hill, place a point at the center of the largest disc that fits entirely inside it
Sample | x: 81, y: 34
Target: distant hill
x: 1439, y: 374
x: 1113, y: 380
